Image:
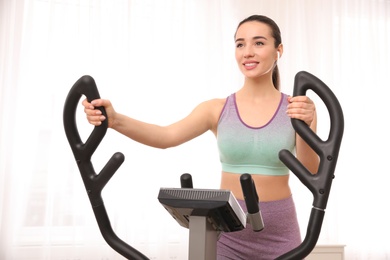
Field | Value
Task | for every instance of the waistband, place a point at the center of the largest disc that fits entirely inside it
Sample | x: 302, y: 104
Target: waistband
x: 271, y: 206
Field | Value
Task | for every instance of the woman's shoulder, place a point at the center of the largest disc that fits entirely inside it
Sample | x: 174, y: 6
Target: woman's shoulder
x: 212, y: 107
x: 214, y: 102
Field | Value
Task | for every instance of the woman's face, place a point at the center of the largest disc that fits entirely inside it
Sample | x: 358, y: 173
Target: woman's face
x: 255, y: 50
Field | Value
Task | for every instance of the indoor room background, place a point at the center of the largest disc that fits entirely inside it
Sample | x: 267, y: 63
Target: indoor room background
x: 156, y: 60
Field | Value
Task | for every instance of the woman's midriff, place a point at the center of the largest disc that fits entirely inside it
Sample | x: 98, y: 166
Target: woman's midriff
x: 269, y: 188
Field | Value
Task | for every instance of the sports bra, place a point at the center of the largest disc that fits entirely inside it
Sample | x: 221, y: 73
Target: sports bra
x: 254, y: 150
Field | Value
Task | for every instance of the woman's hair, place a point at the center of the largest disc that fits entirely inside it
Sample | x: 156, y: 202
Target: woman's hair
x: 275, y: 34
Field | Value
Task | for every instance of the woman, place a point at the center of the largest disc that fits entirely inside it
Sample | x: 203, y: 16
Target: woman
x: 251, y: 127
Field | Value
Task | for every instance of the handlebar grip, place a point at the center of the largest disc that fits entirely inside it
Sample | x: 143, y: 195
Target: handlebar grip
x: 186, y: 181
x: 84, y: 86
x: 305, y: 81
x: 250, y: 194
x: 252, y: 202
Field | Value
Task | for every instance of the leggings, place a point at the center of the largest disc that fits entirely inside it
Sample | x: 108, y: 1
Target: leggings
x: 280, y: 234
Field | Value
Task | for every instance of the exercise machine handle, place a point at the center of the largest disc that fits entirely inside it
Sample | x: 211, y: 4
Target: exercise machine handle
x: 84, y: 86
x: 252, y: 202
x: 320, y: 183
x: 94, y: 183
x: 186, y: 181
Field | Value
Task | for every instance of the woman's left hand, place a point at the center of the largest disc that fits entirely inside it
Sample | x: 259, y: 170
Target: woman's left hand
x: 302, y: 108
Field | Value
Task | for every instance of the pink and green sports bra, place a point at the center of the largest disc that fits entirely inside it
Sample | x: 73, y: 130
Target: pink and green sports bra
x: 254, y: 150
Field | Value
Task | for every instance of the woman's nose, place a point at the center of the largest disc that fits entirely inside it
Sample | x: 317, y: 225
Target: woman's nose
x: 248, y: 53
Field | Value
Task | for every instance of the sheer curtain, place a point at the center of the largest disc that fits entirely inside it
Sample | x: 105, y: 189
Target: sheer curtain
x: 156, y: 60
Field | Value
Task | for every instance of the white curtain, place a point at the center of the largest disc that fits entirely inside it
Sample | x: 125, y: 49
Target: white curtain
x: 156, y: 60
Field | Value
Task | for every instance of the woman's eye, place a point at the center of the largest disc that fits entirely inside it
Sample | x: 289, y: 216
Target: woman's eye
x: 239, y: 45
x: 259, y: 43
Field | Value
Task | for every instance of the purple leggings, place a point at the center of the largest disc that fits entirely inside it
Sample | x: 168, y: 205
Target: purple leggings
x: 280, y: 234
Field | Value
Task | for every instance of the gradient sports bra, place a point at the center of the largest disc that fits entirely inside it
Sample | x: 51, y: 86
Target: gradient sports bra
x: 254, y: 150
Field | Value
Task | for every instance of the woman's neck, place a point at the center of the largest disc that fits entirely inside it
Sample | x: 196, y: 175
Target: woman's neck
x: 258, y: 87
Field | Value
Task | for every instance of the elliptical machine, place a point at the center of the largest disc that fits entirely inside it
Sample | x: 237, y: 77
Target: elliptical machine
x: 208, y: 212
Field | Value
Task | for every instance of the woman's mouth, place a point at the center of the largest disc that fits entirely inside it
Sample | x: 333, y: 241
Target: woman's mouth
x: 250, y: 65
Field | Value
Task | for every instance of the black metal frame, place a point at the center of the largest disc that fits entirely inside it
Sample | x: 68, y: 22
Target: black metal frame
x: 328, y: 151
x: 319, y: 184
x: 94, y: 183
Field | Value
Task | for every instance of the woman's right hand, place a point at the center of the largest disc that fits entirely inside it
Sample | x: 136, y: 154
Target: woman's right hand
x: 95, y: 116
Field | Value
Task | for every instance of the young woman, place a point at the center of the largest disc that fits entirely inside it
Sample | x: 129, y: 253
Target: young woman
x: 251, y: 126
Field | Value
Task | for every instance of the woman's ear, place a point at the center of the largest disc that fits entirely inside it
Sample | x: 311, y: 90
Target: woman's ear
x: 280, y: 51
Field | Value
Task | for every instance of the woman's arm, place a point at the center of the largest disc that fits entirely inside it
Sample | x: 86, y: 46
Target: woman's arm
x: 201, y: 119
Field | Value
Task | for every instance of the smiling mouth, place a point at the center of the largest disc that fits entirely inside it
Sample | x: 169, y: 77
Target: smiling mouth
x: 250, y: 65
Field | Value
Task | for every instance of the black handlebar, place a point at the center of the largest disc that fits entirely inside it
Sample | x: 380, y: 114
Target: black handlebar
x: 94, y: 183
x: 250, y: 194
x: 320, y: 183
x: 252, y: 202
x: 186, y: 181
x: 84, y: 86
